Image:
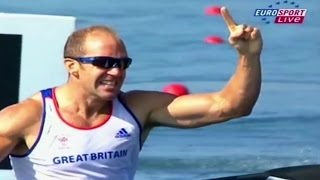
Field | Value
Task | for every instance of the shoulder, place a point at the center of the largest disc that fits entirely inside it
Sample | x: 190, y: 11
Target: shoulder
x: 15, y: 119
x: 144, y: 93
x: 146, y: 101
x: 154, y: 97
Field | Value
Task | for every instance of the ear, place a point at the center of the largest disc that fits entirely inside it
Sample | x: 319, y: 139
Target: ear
x: 72, y: 67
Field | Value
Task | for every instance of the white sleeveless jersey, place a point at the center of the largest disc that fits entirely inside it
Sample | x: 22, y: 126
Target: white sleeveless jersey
x: 63, y: 152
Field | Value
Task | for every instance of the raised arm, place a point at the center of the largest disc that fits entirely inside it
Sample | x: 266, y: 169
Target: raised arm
x: 236, y: 99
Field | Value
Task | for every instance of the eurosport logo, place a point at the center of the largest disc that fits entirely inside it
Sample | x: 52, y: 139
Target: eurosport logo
x: 282, y: 12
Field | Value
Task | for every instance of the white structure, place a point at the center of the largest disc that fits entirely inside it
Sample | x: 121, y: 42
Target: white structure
x: 43, y: 38
x: 40, y: 42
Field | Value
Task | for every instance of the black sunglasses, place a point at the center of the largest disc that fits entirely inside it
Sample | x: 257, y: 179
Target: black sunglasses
x: 105, y: 61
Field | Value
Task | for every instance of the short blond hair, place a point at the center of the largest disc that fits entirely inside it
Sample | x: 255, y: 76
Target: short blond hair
x: 75, y: 44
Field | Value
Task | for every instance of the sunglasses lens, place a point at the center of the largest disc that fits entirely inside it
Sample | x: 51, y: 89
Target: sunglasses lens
x: 127, y: 62
x: 105, y: 62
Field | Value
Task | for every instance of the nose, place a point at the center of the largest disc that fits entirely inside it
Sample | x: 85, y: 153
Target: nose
x: 115, y: 71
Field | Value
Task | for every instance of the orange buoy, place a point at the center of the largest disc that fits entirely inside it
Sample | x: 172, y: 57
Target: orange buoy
x: 214, y: 40
x: 213, y: 11
x: 176, y: 89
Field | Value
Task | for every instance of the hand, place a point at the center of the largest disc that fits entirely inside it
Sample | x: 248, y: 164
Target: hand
x: 246, y: 39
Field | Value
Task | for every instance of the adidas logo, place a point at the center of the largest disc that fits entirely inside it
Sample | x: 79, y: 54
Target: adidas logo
x: 122, y: 133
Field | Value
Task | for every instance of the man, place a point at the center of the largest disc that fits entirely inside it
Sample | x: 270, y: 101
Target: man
x: 89, y: 129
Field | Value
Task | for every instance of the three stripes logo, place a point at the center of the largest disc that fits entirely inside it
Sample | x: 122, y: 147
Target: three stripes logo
x: 122, y: 133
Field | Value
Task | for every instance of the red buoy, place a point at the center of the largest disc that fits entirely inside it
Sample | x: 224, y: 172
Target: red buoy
x: 213, y: 11
x: 214, y: 40
x: 176, y: 89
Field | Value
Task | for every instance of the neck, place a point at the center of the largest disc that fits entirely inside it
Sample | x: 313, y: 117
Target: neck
x: 77, y: 100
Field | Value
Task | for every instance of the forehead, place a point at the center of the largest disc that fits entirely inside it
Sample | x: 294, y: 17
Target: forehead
x: 102, y: 44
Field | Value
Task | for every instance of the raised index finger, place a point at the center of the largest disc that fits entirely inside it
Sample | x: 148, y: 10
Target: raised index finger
x: 227, y: 18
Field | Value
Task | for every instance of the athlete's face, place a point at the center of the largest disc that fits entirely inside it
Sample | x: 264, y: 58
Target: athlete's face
x: 102, y: 82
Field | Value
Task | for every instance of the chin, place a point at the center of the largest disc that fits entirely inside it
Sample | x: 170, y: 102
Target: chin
x: 108, y: 96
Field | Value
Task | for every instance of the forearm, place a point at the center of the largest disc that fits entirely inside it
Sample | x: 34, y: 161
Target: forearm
x: 243, y: 89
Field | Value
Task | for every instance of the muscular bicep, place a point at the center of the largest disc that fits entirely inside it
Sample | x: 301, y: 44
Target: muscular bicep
x: 189, y: 111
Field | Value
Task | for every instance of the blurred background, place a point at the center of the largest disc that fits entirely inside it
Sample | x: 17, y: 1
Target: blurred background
x: 166, y: 40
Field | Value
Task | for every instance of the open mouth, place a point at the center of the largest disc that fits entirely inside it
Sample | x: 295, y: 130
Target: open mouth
x: 108, y: 83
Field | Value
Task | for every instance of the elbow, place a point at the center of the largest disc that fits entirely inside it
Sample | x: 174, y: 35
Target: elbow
x: 245, y: 112
x: 240, y: 111
x: 242, y: 108
x: 240, y: 105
